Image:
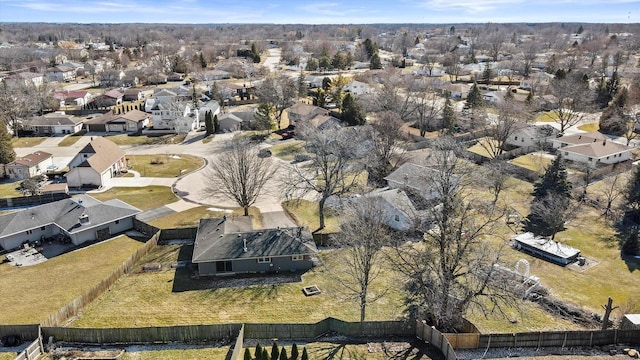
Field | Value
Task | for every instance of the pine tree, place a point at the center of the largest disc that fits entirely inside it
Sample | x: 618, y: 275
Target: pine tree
x: 351, y: 111
x: 264, y: 117
x: 632, y: 199
x: 305, y: 356
x: 258, y: 353
x: 554, y: 181
x: 448, y: 116
x: 208, y: 123
x: 7, y: 154
x: 265, y: 354
x: 294, y: 352
x: 302, y: 85
x: 474, y: 99
x: 375, y: 62
x: 216, y: 124
x: 283, y: 354
x: 275, y: 351
x: 247, y: 354
x: 487, y: 74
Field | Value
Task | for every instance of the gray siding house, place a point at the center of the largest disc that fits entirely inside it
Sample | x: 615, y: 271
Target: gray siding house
x: 227, y: 246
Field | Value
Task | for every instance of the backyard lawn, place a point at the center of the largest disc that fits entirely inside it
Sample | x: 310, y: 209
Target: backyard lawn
x: 147, y: 140
x: 305, y: 213
x: 144, y: 198
x: 548, y: 116
x: 30, y: 294
x: 191, y: 217
x: 483, y: 144
x: 535, y: 162
x: 164, y: 165
x: 591, y: 127
x: 72, y: 139
x: 26, y: 141
x: 8, y: 189
x: 288, y: 150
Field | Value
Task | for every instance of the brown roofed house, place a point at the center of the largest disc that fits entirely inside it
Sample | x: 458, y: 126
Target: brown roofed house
x: 591, y: 148
x: 96, y: 163
x: 27, y: 166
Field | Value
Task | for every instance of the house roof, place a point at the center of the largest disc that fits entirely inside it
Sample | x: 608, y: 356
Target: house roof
x: 54, y: 119
x: 113, y: 93
x: 322, y: 121
x: 412, y: 176
x: 225, y: 239
x: 396, y: 198
x: 132, y: 92
x: 598, y: 149
x: 65, y: 214
x: 61, y: 95
x: 583, y: 138
x: 31, y: 159
x: 303, y: 109
x: 164, y: 92
x: 230, y: 116
x: 132, y: 115
x: 537, y: 132
x: 104, y: 154
x: 101, y: 119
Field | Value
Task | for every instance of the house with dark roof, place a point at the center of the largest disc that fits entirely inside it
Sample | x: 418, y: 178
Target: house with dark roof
x: 131, y: 121
x: 591, y: 148
x: 133, y: 95
x: 109, y: 98
x: 230, y: 245
x: 79, y: 219
x: 98, y: 123
x: 99, y: 161
x: 28, y: 165
x: 53, y: 124
x: 416, y: 179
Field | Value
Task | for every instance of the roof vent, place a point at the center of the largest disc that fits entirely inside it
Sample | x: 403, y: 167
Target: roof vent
x: 84, y: 219
x: 604, y: 143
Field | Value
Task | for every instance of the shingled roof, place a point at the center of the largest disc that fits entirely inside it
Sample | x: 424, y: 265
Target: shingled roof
x: 225, y: 239
x: 31, y: 159
x: 105, y: 153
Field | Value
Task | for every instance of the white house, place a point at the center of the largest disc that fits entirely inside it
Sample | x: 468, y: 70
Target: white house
x: 591, y: 148
x: 28, y: 165
x: 531, y: 135
x: 357, y: 88
x: 398, y: 212
x: 131, y: 121
x: 24, y: 79
x: 54, y: 123
x: 96, y: 163
x: 61, y: 73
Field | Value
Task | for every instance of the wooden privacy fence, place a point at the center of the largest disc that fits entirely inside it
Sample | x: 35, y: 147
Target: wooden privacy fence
x: 308, y: 331
x: 26, y: 332
x: 560, y: 339
x: 76, y: 305
x: 178, y: 234
x: 434, y: 337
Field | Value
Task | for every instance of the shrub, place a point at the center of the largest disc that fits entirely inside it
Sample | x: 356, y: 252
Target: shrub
x: 294, y: 352
x: 247, y: 354
x: 283, y: 354
x: 305, y: 356
x: 275, y: 351
x: 258, y: 353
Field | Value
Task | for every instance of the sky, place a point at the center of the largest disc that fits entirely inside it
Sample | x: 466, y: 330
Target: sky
x: 319, y: 12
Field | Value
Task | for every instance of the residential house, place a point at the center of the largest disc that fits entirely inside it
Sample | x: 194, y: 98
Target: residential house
x: 176, y: 116
x: 591, y: 148
x: 532, y: 135
x: 398, y: 211
x: 229, y: 122
x: 98, y: 123
x: 358, y: 88
x: 212, y: 75
x: 61, y: 73
x: 131, y: 121
x: 323, y: 122
x: 457, y: 91
x: 79, y: 219
x: 28, y: 165
x: 302, y: 112
x: 54, y: 123
x: 175, y: 77
x: 109, y: 98
x: 230, y: 245
x: 416, y: 179
x: 22, y: 79
x: 72, y: 98
x: 96, y: 163
x: 132, y: 95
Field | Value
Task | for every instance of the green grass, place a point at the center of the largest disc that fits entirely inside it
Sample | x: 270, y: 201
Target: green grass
x: 30, y: 294
x: 176, y: 354
x: 26, y: 141
x: 533, y: 162
x: 479, y: 149
x: 590, y: 127
x: 7, y: 355
x: 8, y: 190
x: 144, y: 198
x: 147, y: 140
x: 548, y: 116
x: 191, y: 217
x: 288, y: 150
x: 164, y: 165
x: 170, y: 297
x: 72, y: 139
x: 305, y: 213
x: 351, y: 351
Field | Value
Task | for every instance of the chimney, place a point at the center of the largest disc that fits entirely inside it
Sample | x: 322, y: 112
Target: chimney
x: 579, y: 137
x: 83, y: 219
x: 244, y: 245
x: 604, y: 143
x: 595, y: 140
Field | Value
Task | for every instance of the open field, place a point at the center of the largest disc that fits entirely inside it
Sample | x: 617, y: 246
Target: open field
x: 30, y: 294
x: 191, y: 217
x: 144, y: 198
x: 163, y: 165
x: 147, y: 140
x: 8, y: 189
x: 26, y: 141
x: 170, y: 297
x: 305, y: 213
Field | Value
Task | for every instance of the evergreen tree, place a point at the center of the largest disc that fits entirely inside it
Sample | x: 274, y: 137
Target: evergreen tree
x: 7, y: 154
x: 305, y: 356
x: 551, y: 201
x: 351, y: 111
x: 302, y: 85
x: 448, y: 116
x: 275, y: 351
x: 258, y: 353
x: 264, y: 117
x: 487, y: 74
x: 265, y: 354
x: 529, y: 99
x: 203, y: 62
x: 312, y: 64
x: 294, y: 352
x: 630, y: 225
x: 612, y: 120
x: 474, y: 99
x: 247, y: 354
x: 283, y: 354
x: 375, y: 62
x: 208, y: 123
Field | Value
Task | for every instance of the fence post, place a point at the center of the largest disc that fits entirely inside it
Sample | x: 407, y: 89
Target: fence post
x: 564, y: 342
x: 591, y: 340
x: 539, y: 339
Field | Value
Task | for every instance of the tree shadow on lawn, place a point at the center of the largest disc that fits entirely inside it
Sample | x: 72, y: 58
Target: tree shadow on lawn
x: 400, y: 349
x: 632, y: 262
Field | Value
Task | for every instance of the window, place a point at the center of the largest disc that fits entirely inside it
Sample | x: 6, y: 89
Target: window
x: 223, y: 266
x: 515, y: 138
x: 396, y: 217
x: 42, y: 228
x: 84, y: 156
x: 262, y: 260
x: 117, y: 222
x: 297, y: 257
x: 566, y: 153
x: 29, y: 232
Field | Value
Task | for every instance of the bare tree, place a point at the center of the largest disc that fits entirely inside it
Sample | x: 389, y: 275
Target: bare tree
x: 496, y: 178
x: 332, y: 170
x: 512, y: 115
x: 527, y: 57
x: 363, y: 235
x: 387, y: 152
x: 15, y: 106
x: 279, y: 91
x: 240, y: 174
x: 452, y: 269
x: 392, y: 96
x: 554, y: 211
x: 571, y: 97
x: 612, y: 189
x: 427, y: 104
